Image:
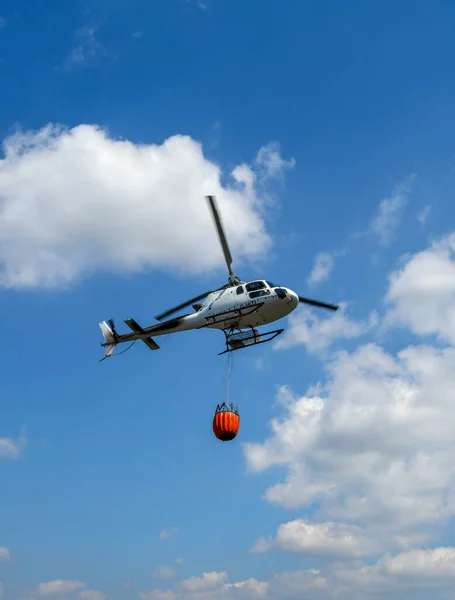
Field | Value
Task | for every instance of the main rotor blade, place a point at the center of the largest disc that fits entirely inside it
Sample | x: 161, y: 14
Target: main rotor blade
x: 180, y: 306
x: 221, y: 234
x: 318, y: 303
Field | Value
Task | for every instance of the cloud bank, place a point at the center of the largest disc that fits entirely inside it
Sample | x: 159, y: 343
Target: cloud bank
x: 75, y: 201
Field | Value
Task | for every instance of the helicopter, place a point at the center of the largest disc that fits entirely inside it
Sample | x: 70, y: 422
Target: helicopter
x: 237, y: 308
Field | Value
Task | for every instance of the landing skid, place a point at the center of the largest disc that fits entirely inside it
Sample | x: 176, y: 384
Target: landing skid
x: 246, y: 339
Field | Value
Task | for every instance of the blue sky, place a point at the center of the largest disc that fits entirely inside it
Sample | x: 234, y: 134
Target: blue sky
x: 116, y: 118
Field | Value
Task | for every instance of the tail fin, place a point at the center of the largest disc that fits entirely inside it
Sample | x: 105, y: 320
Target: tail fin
x: 109, y: 339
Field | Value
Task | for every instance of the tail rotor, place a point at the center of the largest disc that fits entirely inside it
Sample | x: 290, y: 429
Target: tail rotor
x: 111, y: 324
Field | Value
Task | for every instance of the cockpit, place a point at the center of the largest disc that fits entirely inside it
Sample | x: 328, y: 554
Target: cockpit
x: 256, y: 289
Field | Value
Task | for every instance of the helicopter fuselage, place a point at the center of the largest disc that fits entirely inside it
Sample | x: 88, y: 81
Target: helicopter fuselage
x: 245, y: 305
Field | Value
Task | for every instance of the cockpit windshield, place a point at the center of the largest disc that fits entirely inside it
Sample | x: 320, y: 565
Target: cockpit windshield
x: 272, y: 285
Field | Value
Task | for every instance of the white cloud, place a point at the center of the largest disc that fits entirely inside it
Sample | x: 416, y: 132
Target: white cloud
x: 74, y: 201
x: 396, y: 577
x: 207, y: 581
x: 317, y: 333
x: 164, y: 572
x: 283, y: 585
x: 202, y: 4
x: 92, y: 595
x: 436, y: 562
x: 257, y: 588
x: 86, y: 48
x: 258, y: 363
x: 59, y: 587
x: 424, y: 214
x: 158, y: 595
x: 422, y: 292
x: 4, y: 554
x: 412, y: 570
x: 10, y: 448
x: 179, y: 561
x: 390, y: 211
x: 270, y: 163
x: 383, y: 225
x: 326, y: 539
x: 292, y: 585
x: 322, y: 268
x: 167, y: 533
x: 374, y: 448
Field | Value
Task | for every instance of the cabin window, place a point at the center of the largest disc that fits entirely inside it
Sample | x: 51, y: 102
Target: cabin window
x: 259, y: 293
x: 255, y: 285
x: 240, y: 289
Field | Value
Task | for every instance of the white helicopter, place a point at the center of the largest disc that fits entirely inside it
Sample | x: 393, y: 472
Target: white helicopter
x: 236, y: 308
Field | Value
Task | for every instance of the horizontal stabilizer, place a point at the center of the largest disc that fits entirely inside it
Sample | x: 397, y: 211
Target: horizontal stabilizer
x: 149, y: 341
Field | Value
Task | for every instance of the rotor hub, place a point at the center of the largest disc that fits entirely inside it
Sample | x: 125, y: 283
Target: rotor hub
x: 234, y: 280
